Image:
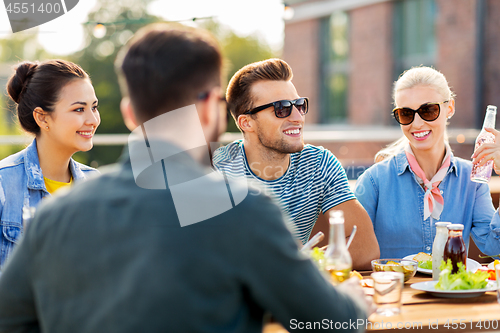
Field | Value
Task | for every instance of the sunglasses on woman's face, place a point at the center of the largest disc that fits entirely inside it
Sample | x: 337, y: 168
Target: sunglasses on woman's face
x: 283, y: 109
x: 428, y: 112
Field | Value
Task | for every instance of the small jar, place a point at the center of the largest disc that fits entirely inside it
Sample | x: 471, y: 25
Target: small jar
x: 454, y: 248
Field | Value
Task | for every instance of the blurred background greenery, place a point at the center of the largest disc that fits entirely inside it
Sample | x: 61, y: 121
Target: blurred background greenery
x: 120, y: 20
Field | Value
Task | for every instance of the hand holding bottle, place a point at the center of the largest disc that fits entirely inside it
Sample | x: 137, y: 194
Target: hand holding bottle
x: 482, y: 173
x: 489, y: 152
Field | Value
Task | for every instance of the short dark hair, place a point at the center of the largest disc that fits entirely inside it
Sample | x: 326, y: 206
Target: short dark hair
x: 167, y: 66
x: 39, y: 85
x: 238, y: 93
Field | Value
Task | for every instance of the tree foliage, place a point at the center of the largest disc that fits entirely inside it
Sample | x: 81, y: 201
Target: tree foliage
x: 18, y: 48
x: 121, y: 20
x: 238, y: 51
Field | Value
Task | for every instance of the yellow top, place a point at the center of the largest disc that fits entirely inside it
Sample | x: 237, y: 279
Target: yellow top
x: 53, y: 185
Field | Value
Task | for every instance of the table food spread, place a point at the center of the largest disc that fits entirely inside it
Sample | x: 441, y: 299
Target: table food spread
x: 426, y: 308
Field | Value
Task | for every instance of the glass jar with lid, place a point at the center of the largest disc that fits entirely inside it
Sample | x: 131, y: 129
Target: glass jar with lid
x: 454, y: 248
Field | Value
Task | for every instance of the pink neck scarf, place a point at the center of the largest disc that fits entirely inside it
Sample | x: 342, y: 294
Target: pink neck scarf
x: 433, y: 200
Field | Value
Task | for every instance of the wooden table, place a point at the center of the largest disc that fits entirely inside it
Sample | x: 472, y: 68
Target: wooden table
x: 423, y: 312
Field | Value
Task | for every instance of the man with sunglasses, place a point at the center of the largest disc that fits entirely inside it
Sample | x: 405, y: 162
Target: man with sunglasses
x: 305, y: 179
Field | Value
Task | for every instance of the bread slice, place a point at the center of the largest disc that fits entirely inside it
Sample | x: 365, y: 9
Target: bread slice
x: 421, y: 256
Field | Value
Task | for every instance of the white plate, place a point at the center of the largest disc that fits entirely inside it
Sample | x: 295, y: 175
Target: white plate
x: 429, y: 286
x: 472, y: 265
x: 490, y: 265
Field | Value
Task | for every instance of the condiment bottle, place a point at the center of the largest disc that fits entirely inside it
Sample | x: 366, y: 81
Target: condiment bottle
x: 483, y: 174
x: 438, y: 248
x: 338, y: 261
x: 454, y: 248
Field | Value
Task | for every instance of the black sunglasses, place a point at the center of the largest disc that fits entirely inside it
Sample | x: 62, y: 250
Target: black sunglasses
x: 428, y: 112
x: 283, y: 109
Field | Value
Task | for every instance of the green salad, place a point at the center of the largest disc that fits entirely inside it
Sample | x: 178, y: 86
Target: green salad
x: 318, y: 256
x: 425, y: 264
x: 462, y: 280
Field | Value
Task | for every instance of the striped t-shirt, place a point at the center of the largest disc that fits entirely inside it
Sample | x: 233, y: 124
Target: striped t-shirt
x: 314, y: 181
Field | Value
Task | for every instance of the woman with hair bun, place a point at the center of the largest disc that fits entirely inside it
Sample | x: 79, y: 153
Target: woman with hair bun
x: 57, y: 104
x: 417, y: 181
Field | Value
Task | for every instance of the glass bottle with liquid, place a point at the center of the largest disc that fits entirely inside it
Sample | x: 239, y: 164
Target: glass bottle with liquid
x: 338, y: 261
x: 454, y: 248
x: 438, y: 248
x: 483, y: 174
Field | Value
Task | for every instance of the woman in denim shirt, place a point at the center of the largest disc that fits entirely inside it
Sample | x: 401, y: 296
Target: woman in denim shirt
x: 57, y: 104
x: 418, y: 181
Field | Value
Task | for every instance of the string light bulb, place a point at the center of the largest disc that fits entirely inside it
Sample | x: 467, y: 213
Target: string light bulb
x: 99, y: 30
x: 288, y: 12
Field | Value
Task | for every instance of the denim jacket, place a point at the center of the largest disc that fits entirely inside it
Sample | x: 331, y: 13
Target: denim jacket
x: 392, y: 196
x: 22, y: 185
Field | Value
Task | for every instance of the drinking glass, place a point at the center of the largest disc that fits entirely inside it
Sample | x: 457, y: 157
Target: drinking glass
x: 388, y: 287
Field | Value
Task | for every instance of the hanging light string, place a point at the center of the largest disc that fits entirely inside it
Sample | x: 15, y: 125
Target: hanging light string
x: 100, y: 27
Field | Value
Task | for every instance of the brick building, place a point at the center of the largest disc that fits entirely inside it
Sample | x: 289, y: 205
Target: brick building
x: 346, y: 54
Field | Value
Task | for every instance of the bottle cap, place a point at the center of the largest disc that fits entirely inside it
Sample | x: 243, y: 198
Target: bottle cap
x: 455, y: 227
x: 442, y: 224
x: 336, y: 216
x: 491, y: 108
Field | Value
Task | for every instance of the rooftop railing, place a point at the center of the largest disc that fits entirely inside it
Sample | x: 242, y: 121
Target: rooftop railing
x: 311, y: 133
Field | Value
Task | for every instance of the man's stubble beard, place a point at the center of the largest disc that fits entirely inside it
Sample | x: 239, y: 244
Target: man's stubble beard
x: 280, y: 146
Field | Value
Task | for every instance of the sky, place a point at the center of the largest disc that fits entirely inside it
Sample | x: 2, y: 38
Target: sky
x: 64, y: 35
